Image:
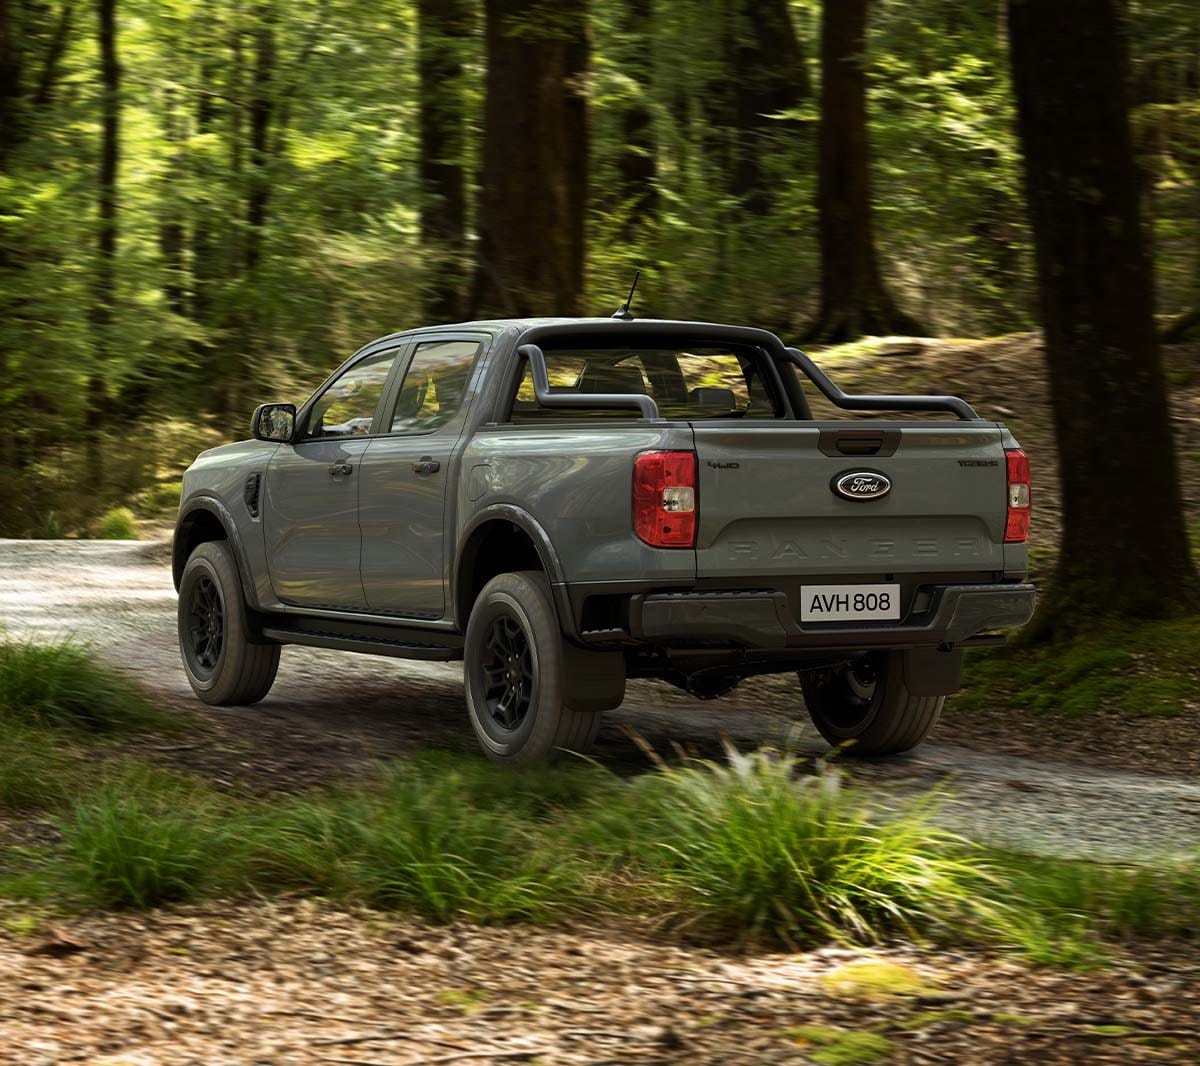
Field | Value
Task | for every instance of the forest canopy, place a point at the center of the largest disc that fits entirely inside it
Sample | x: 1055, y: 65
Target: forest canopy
x: 205, y: 205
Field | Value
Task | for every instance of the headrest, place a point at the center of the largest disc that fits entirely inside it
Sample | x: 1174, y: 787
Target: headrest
x: 713, y: 396
x: 601, y: 378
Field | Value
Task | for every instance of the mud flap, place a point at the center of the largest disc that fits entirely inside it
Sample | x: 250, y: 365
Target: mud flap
x: 932, y: 672
x: 592, y: 680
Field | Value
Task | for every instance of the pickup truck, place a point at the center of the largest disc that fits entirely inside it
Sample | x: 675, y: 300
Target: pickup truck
x: 562, y: 504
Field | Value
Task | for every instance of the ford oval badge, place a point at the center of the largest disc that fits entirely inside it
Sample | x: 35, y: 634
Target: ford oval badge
x: 862, y: 485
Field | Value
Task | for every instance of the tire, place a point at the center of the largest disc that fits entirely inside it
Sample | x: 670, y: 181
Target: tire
x: 513, y: 675
x: 867, y: 707
x: 224, y: 666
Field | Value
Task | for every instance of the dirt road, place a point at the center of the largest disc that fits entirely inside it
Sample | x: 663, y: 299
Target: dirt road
x: 333, y: 713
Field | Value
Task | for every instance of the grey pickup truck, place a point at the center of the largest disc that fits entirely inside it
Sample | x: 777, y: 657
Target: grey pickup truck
x: 563, y: 504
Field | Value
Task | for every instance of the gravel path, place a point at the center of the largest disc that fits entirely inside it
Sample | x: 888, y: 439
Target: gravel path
x: 332, y: 713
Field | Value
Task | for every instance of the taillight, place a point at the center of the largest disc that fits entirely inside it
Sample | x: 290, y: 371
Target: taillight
x: 664, y: 499
x: 1016, y: 528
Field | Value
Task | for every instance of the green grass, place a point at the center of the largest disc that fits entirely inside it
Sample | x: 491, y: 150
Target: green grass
x: 160, y: 500
x: 56, y: 700
x: 750, y: 849
x: 61, y: 685
x: 1148, y: 669
x: 118, y: 524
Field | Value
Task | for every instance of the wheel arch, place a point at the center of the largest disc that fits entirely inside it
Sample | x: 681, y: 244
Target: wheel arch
x: 206, y: 519
x: 499, y: 539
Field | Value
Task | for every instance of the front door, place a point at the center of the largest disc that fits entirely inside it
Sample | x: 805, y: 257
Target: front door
x: 310, y: 508
x: 405, y: 472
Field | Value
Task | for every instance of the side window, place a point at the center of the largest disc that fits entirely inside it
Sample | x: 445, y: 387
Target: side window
x: 347, y: 407
x: 434, y: 385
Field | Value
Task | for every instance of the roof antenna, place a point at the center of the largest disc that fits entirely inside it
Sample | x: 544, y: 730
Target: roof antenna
x: 623, y: 313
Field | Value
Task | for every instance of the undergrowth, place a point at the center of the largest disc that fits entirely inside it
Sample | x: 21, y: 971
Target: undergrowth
x: 1148, y: 669
x: 754, y: 848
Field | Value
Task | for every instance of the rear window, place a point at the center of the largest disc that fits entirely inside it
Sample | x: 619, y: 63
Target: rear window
x: 692, y: 383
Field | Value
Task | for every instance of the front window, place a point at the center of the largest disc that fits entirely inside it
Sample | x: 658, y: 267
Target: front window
x: 695, y: 383
x: 347, y: 407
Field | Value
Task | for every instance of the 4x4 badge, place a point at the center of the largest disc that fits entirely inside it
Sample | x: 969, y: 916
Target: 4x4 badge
x: 862, y: 485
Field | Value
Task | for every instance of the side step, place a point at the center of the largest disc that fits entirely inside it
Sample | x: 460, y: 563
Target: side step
x: 370, y: 640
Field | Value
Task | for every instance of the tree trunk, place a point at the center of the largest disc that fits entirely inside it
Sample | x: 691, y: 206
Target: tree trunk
x: 172, y: 235
x: 530, y: 257
x: 444, y: 29
x: 1124, y: 549
x: 854, y: 300
x: 768, y: 77
x: 637, y: 161
x: 106, y: 237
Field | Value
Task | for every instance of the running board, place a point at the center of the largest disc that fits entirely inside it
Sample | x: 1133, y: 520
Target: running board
x: 386, y: 642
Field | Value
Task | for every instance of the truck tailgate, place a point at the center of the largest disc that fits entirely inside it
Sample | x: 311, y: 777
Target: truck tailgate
x: 768, y: 508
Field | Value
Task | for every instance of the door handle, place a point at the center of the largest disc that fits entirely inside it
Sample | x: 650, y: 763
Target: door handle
x: 341, y: 470
x: 426, y: 465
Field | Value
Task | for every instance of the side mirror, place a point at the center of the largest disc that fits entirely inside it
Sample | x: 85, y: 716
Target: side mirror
x: 274, y: 422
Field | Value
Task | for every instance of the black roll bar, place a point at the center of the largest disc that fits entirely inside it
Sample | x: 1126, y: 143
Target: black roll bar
x: 877, y: 403
x: 546, y: 398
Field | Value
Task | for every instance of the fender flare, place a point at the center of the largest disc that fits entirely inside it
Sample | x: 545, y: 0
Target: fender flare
x: 531, y: 527
x: 220, y: 512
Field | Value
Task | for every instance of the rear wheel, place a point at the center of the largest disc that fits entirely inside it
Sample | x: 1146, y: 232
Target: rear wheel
x: 513, y: 674
x: 224, y: 666
x: 867, y: 706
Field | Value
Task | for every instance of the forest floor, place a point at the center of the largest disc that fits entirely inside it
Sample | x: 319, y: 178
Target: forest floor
x: 303, y: 983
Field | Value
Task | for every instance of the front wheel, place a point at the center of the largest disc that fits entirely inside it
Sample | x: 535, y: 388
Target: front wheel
x: 225, y: 665
x: 513, y: 673
x: 867, y: 706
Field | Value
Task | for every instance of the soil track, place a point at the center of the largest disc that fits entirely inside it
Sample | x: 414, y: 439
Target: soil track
x: 331, y: 714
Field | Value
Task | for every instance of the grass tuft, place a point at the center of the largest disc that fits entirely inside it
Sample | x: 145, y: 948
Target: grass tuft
x: 749, y: 850
x: 61, y: 685
x: 36, y: 772
x: 118, y: 524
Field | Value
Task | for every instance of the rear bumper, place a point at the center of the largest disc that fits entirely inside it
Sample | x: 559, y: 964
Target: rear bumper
x: 763, y: 619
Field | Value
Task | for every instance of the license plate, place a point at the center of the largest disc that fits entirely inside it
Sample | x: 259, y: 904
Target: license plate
x: 849, y: 603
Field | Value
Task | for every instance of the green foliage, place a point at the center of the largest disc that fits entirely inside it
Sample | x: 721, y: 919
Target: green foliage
x: 749, y: 849
x: 433, y: 838
x: 61, y: 685
x: 118, y: 524
x: 129, y: 850
x: 36, y: 771
x: 1148, y: 669
x: 841, y: 1047
x: 1064, y: 912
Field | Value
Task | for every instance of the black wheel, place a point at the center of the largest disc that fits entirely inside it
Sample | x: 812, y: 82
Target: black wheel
x: 223, y: 664
x: 513, y: 674
x: 867, y: 706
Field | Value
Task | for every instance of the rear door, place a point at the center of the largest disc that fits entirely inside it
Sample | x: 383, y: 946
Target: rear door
x: 405, y: 473
x: 770, y: 506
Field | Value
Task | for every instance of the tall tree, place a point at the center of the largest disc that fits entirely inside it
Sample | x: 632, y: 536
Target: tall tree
x: 106, y: 232
x: 534, y: 181
x: 637, y: 159
x: 1124, y: 547
x: 854, y: 300
x: 769, y: 77
x: 445, y: 26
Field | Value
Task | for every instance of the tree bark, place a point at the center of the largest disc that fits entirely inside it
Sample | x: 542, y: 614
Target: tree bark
x: 1124, y: 548
x: 637, y: 161
x: 444, y: 29
x: 531, y: 217
x: 769, y: 76
x: 172, y: 233
x: 854, y: 300
x: 105, y: 297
